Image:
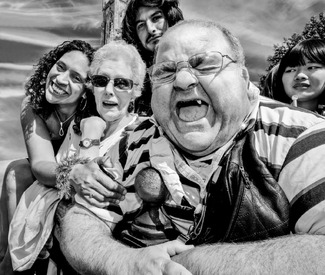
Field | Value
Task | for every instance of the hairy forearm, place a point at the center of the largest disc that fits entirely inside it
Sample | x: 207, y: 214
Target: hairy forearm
x: 297, y: 254
x: 87, y: 244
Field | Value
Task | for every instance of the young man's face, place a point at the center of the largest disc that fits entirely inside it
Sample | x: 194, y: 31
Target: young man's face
x: 150, y: 25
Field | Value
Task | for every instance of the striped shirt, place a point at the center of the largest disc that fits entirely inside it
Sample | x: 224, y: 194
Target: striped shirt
x: 290, y: 141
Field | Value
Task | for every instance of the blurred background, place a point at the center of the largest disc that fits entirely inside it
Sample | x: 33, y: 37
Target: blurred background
x: 29, y: 28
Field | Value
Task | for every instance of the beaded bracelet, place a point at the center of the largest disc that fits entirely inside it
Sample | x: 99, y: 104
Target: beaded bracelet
x: 62, y: 175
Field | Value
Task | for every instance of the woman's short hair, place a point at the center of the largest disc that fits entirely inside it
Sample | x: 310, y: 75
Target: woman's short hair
x: 311, y: 49
x: 170, y: 9
x: 114, y: 48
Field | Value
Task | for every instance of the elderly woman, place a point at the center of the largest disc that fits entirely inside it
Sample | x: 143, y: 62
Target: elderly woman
x: 117, y: 75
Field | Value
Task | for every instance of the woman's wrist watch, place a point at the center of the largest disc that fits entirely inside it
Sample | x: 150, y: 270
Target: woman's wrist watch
x: 87, y: 143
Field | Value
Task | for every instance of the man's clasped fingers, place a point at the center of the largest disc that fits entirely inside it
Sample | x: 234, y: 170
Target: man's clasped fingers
x: 157, y: 259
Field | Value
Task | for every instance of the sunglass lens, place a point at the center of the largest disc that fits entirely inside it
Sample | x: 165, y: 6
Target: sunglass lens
x: 99, y: 81
x: 123, y: 83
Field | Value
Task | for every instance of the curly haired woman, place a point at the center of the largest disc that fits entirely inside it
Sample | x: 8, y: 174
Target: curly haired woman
x: 56, y: 94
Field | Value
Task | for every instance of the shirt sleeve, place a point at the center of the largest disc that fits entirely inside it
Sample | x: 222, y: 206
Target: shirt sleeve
x: 303, y: 180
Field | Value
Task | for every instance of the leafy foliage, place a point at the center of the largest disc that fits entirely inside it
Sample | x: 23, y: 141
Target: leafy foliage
x: 315, y: 28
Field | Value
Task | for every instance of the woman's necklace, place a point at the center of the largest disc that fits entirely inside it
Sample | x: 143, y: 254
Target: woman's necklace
x: 61, y: 131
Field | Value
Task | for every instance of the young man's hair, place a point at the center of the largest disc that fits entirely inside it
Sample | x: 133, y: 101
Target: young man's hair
x: 171, y: 11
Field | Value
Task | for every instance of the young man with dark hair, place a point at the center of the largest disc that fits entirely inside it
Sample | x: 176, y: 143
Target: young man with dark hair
x: 145, y: 21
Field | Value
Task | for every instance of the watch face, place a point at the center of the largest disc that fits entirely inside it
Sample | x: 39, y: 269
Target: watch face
x: 86, y: 143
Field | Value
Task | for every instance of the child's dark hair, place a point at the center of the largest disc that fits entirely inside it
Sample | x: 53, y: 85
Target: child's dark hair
x: 310, y: 49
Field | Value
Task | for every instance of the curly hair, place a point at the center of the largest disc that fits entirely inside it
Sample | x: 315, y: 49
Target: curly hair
x: 35, y: 86
x: 170, y: 10
x: 311, y: 49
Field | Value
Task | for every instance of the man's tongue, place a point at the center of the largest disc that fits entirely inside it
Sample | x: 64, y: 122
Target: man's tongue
x: 192, y: 112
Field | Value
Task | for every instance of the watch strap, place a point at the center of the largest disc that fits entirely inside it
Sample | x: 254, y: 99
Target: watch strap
x: 87, y: 143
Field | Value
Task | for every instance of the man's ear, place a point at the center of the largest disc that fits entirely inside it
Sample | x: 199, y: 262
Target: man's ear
x: 245, y: 75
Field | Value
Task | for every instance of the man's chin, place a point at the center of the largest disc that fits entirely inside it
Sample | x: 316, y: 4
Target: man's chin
x: 152, y: 45
x: 150, y: 48
x: 195, y: 143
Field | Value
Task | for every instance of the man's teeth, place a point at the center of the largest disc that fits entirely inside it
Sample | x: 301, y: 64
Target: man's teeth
x: 192, y: 110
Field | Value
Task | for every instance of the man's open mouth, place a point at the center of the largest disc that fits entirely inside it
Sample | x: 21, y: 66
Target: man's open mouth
x: 192, y: 110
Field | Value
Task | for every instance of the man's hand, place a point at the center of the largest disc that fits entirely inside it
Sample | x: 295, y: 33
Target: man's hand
x: 92, y: 184
x: 157, y: 259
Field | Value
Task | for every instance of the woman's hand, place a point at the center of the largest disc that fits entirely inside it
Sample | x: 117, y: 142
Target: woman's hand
x: 95, y: 186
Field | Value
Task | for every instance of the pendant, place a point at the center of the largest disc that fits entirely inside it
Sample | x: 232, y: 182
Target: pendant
x: 61, y: 132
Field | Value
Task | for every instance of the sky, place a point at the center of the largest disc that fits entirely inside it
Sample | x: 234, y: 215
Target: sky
x: 29, y: 28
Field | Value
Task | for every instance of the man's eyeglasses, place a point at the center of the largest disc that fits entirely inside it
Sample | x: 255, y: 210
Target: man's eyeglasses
x: 119, y: 83
x: 201, y: 64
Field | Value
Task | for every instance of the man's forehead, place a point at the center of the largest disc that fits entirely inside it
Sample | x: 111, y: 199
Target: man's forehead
x: 190, y: 40
x: 144, y: 12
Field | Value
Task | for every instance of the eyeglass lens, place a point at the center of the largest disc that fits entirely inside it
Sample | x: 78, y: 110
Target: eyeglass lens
x: 119, y: 83
x: 202, y: 64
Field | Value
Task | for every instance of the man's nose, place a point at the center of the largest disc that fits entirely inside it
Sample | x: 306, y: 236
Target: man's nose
x: 151, y: 27
x: 185, y: 80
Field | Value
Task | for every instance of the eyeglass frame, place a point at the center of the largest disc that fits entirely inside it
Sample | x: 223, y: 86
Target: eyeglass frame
x: 108, y: 79
x: 194, y: 71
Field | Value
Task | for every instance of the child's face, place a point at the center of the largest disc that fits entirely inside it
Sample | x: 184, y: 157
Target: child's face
x: 307, y: 81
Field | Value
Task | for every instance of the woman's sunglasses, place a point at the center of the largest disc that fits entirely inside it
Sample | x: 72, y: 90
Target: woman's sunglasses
x: 119, y: 83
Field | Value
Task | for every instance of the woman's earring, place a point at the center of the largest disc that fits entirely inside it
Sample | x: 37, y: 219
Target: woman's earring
x: 83, y: 102
x: 131, y: 106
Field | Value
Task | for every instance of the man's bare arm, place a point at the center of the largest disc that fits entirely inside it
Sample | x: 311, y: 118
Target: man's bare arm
x: 89, y: 247
x: 296, y: 254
